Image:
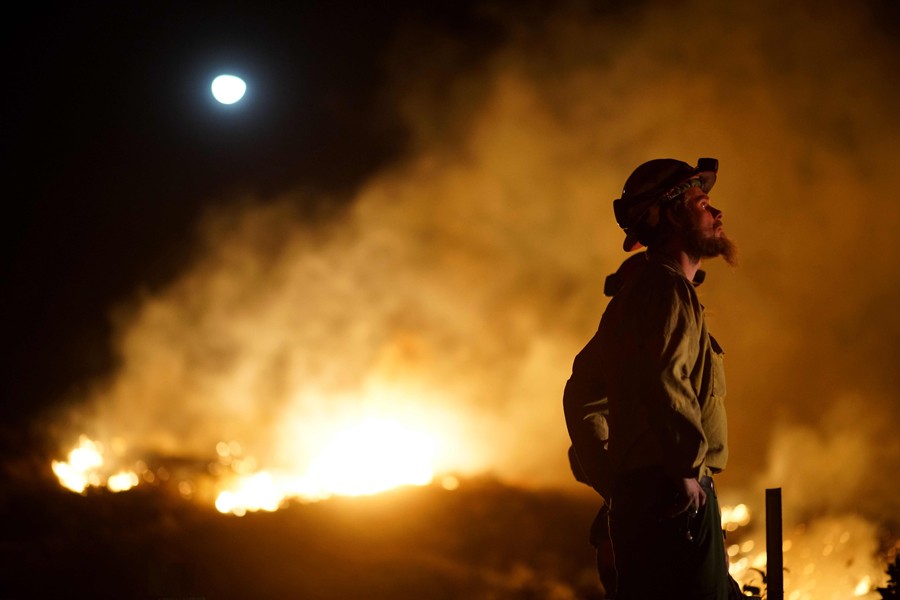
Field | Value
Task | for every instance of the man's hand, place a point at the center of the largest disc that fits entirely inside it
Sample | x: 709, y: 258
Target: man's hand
x: 690, y: 499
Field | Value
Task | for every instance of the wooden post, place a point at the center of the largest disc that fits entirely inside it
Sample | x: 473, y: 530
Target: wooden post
x: 774, y: 553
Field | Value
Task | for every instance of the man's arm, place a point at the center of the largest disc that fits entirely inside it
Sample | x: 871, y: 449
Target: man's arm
x: 588, y: 441
x: 586, y: 409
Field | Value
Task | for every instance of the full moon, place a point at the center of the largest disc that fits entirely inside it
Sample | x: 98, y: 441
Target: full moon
x: 228, y: 89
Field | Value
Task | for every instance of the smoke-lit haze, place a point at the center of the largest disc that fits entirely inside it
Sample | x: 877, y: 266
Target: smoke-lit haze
x: 456, y: 288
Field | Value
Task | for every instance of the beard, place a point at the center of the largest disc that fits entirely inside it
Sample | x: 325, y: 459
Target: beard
x: 701, y: 245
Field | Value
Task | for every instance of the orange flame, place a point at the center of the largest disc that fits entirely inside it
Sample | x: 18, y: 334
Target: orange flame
x: 84, y: 468
x: 363, y: 456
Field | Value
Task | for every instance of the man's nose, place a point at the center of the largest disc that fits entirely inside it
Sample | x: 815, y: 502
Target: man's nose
x: 715, y: 212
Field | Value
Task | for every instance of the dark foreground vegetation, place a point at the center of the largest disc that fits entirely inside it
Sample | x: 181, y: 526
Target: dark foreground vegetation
x: 483, y: 540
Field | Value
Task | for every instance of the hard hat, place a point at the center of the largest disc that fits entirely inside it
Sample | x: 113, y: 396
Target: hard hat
x: 650, y: 185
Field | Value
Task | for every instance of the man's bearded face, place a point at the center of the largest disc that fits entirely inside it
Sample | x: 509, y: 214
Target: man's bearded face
x: 701, y: 244
x: 705, y: 236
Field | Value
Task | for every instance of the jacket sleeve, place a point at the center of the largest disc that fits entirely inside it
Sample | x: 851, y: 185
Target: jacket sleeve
x: 586, y: 410
x: 671, y: 347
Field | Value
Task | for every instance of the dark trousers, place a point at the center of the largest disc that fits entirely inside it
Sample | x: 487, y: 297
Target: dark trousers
x: 665, y: 558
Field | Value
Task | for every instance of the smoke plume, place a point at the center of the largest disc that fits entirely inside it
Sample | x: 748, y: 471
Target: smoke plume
x: 461, y: 281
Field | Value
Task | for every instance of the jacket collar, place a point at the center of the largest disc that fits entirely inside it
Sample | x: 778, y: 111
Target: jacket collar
x: 672, y: 265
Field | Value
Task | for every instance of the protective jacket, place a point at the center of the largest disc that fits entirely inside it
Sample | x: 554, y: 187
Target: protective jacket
x: 648, y: 390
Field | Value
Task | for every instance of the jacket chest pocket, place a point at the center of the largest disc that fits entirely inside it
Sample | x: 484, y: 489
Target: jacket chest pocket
x: 717, y: 386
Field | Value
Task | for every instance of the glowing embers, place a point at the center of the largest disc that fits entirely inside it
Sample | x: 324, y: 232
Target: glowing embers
x: 734, y: 517
x: 373, y: 456
x: 84, y: 468
x: 352, y: 448
x: 350, y: 458
x: 80, y: 470
x: 252, y: 493
x: 368, y: 457
x: 122, y: 481
x: 831, y: 558
x: 863, y: 587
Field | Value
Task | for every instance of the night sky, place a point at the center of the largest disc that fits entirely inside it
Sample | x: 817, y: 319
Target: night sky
x: 113, y: 147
